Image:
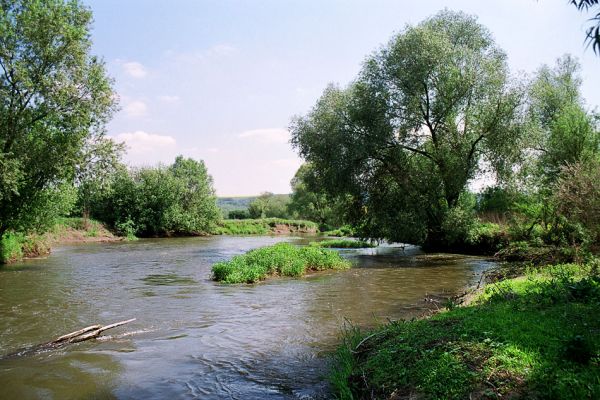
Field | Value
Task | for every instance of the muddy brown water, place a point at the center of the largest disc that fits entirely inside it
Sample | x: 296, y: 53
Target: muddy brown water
x: 194, y: 338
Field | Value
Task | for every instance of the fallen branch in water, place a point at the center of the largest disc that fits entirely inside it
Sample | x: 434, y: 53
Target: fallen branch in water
x: 81, y: 335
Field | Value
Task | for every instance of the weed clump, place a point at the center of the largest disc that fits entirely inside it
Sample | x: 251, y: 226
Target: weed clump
x: 281, y: 259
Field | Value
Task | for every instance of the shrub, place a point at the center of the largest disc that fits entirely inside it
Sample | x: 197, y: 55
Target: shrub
x: 11, y: 248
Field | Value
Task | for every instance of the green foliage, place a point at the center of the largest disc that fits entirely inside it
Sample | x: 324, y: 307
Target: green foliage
x: 342, y: 231
x: 309, y: 201
x: 281, y: 259
x: 344, y: 244
x: 238, y: 214
x: 55, y: 97
x: 11, y: 248
x: 402, y: 142
x: 578, y: 196
x: 263, y: 226
x: 526, y: 338
x: 269, y: 205
x: 562, y: 131
x: 174, y: 200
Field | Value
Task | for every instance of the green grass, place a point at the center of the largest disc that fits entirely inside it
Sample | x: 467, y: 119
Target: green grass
x: 344, y: 244
x: 343, y: 231
x: 282, y: 259
x: 16, y: 246
x: 262, y: 226
x: 533, y: 337
x: 11, y: 248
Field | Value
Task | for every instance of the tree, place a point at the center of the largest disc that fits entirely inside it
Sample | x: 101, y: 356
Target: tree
x: 99, y: 162
x: 310, y: 202
x: 269, y: 205
x: 407, y: 136
x: 592, y: 36
x: 55, y: 96
x: 563, y: 132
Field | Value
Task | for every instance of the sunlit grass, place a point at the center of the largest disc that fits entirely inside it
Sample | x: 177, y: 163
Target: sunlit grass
x: 533, y: 337
x: 281, y: 259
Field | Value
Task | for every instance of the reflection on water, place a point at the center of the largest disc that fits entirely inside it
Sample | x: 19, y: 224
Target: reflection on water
x: 193, y: 337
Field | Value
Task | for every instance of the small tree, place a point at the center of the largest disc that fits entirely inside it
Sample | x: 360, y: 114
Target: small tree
x: 55, y: 97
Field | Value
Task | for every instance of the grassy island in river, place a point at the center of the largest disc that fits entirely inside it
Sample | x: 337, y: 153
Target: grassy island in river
x: 282, y: 259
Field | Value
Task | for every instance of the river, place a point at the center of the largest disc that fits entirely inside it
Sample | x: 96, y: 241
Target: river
x: 194, y: 338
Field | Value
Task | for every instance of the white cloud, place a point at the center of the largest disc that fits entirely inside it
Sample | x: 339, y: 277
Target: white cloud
x: 136, y: 108
x: 169, y: 99
x: 135, y: 69
x: 142, y: 143
x: 268, y: 135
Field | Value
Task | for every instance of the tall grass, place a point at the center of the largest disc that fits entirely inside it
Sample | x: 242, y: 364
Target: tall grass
x: 281, y: 259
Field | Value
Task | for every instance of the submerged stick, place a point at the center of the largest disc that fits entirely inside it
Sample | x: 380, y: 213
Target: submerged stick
x: 97, y: 332
x: 81, y: 335
x: 76, y: 333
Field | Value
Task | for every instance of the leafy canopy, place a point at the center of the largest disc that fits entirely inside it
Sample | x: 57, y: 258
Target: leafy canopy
x: 415, y: 127
x: 54, y: 96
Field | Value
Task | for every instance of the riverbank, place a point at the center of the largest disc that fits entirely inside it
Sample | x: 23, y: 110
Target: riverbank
x: 534, y: 336
x: 15, y: 246
x: 265, y: 226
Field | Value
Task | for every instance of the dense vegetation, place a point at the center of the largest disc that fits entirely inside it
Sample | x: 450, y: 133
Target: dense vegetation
x: 54, y: 158
x: 533, y: 337
x: 174, y: 200
x: 344, y: 244
x: 435, y: 109
x: 282, y: 259
x: 56, y: 97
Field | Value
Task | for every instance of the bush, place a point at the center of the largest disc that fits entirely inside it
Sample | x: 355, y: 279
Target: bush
x: 11, y: 248
x: 281, y: 259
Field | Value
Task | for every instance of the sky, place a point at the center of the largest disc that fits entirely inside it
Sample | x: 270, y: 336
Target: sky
x: 221, y: 80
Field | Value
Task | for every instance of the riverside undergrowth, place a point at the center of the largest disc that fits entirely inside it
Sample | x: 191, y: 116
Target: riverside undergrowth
x: 344, y: 244
x: 281, y: 259
x: 530, y: 337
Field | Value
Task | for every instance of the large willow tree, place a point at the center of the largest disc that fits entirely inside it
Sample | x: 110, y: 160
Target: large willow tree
x: 54, y: 98
x: 425, y: 114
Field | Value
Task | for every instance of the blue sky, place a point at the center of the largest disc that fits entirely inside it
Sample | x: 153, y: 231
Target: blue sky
x: 220, y: 80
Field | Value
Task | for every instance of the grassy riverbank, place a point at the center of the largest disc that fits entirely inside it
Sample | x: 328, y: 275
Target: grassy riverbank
x: 282, y: 259
x: 536, y: 336
x: 344, y: 244
x: 16, y: 246
x: 264, y: 226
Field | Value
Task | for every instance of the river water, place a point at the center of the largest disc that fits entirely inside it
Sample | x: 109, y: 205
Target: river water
x: 194, y: 338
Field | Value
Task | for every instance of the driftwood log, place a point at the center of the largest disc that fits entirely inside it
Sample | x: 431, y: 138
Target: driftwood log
x: 81, y: 335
